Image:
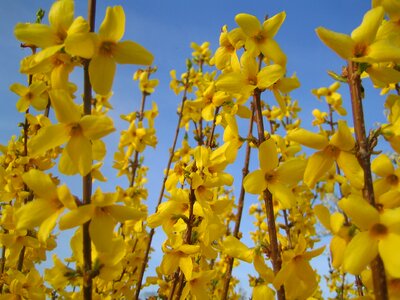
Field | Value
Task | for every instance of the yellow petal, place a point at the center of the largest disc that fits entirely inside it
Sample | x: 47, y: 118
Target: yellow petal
x: 337, y: 247
x: 34, y: 213
x: 129, y: 52
x: 283, y: 194
x: 113, y: 26
x: 66, y: 110
x: 268, y: 155
x: 61, y: 15
x: 340, y: 43
x: 40, y: 35
x: 343, y: 139
x: 271, y: 49
x: 124, y: 213
x: 79, y: 150
x: 291, y: 171
x: 254, y: 182
x: 48, y: 225
x: 366, y: 32
x: 101, y: 230
x: 361, y: 250
x: 48, y: 138
x: 336, y: 221
x: 77, y: 217
x: 186, y: 266
x: 19, y: 89
x: 169, y: 263
x: 235, y: 248
x: 248, y: 23
x: 81, y: 44
x: 269, y: 75
x: 323, y: 215
x: 318, y: 164
x: 95, y: 126
x: 272, y: 25
x: 66, y: 165
x: 263, y: 292
x: 362, y: 214
x: 41, y: 184
x: 382, y: 166
x: 308, y: 138
x: 382, y: 51
x: 101, y: 73
x: 65, y: 197
x: 388, y: 249
x: 351, y: 169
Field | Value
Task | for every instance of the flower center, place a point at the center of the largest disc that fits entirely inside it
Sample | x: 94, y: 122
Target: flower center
x: 360, y: 50
x: 392, y: 179
x: 378, y: 231
x: 270, y: 177
x: 107, y: 48
x: 76, y: 130
x: 332, y: 151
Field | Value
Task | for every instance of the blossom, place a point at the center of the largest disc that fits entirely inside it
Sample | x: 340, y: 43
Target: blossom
x: 379, y: 234
x: 32, y: 95
x: 362, y: 45
x: 338, y: 149
x: 277, y: 178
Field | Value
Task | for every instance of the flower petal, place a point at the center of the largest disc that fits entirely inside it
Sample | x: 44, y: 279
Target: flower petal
x: 362, y: 214
x: 318, y: 164
x: 283, y: 194
x: 308, y: 138
x: 361, y: 250
x: 351, y: 169
x: 79, y: 149
x: 101, y: 230
x: 96, y: 126
x: 343, y: 139
x: 77, y: 217
x: 40, y: 183
x: 113, y: 26
x: 48, y: 138
x: 61, y: 15
x: 129, y: 52
x: 250, y: 25
x: 366, y: 32
x: 268, y: 155
x: 101, y: 73
x: 123, y: 213
x: 388, y: 249
x: 382, y: 166
x: 254, y: 182
x: 40, y: 35
x: 340, y: 43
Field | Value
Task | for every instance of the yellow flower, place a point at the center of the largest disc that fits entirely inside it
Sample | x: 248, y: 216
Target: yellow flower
x: 52, y: 38
x: 32, y: 95
x: 74, y: 130
x: 180, y: 257
x: 226, y: 56
x: 235, y: 248
x: 338, y: 149
x: 277, y: 178
x: 379, y: 234
x: 197, y: 286
x: 45, y: 209
x: 109, y: 51
x: 332, y: 97
x: 386, y: 187
x: 296, y: 273
x: 362, y: 45
x: 103, y: 214
x: 245, y: 80
x: 260, y: 37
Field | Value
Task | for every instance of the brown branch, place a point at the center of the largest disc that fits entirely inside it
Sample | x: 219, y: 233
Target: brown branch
x: 87, y: 179
x: 160, y: 196
x: 236, y: 230
x: 364, y: 158
x: 269, y: 207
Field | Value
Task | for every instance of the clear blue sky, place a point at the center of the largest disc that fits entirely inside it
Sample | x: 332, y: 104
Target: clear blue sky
x: 167, y: 28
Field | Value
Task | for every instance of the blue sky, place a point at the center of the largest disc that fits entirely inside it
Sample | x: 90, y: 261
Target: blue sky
x: 167, y: 28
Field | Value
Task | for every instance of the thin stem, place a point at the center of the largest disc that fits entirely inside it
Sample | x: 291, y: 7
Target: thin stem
x: 269, y: 207
x: 87, y: 179
x: 364, y: 158
x: 160, y: 196
x: 236, y: 230
x: 211, y: 137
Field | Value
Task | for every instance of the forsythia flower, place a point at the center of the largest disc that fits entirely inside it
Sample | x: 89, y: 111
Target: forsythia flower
x: 277, y: 178
x: 109, y: 51
x: 32, y: 95
x: 362, y: 45
x: 337, y: 148
x: 380, y: 233
x: 77, y: 131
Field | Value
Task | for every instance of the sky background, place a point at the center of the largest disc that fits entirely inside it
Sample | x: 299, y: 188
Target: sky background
x: 166, y: 28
